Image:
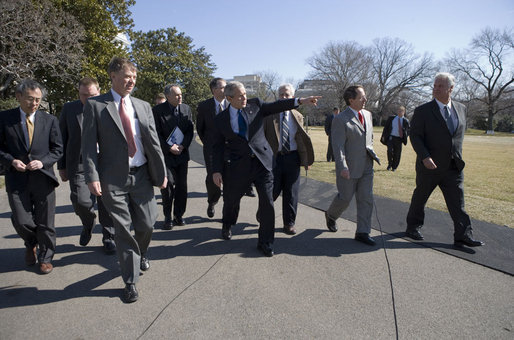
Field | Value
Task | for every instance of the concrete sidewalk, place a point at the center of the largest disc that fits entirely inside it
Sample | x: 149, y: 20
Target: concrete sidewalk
x: 318, y: 284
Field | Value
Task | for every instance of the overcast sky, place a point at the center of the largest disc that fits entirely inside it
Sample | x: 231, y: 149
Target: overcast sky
x: 244, y: 37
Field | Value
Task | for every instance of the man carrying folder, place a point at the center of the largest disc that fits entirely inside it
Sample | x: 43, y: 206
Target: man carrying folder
x: 173, y: 121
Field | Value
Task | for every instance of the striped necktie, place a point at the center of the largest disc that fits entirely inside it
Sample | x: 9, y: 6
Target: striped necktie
x: 285, y: 133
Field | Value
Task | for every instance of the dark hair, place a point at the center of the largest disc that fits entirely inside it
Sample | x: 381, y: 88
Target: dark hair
x: 118, y: 63
x: 351, y: 93
x: 30, y: 84
x: 214, y: 83
x: 335, y: 109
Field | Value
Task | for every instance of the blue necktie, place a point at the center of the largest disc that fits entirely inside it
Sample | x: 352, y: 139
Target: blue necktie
x: 449, y: 120
x: 242, y: 124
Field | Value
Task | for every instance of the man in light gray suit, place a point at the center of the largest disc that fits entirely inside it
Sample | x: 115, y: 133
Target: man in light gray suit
x: 71, y: 168
x: 352, y: 143
x: 128, y: 163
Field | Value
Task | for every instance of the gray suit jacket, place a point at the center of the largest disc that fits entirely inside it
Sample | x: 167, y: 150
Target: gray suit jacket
x: 70, y: 123
x: 350, y: 140
x: 102, y: 125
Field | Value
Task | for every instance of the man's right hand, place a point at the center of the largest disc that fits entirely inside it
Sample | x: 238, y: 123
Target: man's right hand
x: 429, y: 163
x: 217, y: 179
x: 63, y: 175
x: 95, y: 188
x: 345, y: 174
x: 19, y: 165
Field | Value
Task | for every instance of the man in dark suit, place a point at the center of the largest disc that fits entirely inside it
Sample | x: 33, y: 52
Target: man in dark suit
x: 71, y: 168
x: 352, y: 140
x: 395, y: 132
x: 30, y: 144
x: 207, y: 110
x: 172, y: 117
x: 292, y: 148
x: 328, y: 131
x: 242, y: 155
x: 122, y: 161
x: 437, y: 132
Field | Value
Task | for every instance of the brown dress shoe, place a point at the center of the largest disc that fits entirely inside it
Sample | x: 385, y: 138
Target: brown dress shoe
x: 30, y: 256
x: 45, y: 268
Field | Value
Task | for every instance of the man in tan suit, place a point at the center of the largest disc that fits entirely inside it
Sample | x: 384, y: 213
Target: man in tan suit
x: 292, y: 148
x: 352, y: 142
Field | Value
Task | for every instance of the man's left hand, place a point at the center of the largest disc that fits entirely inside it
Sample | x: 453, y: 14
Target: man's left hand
x: 34, y: 165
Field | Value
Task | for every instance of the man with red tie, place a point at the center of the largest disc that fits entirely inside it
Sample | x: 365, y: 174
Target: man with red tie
x: 352, y: 143
x: 123, y: 160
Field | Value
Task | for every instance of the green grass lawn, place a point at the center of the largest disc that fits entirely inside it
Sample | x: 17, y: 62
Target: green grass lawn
x: 488, y: 186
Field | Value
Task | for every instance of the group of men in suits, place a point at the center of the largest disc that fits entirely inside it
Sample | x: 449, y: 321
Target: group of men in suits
x: 119, y: 148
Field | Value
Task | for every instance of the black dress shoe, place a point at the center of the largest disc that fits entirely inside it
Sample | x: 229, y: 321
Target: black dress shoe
x: 109, y: 246
x: 365, y: 238
x: 168, y: 225
x: 250, y: 192
x: 331, y: 223
x: 388, y: 167
x: 226, y: 231
x: 179, y: 221
x: 414, y: 234
x: 210, y: 210
x: 145, y: 264
x: 130, y: 293
x: 468, y: 241
x: 85, y: 235
x: 289, y: 229
x: 265, y: 249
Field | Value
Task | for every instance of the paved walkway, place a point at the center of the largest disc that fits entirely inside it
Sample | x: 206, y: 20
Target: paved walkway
x: 318, y: 285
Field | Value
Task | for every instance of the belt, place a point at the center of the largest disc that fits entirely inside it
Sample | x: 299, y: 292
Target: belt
x: 134, y: 169
x: 282, y: 152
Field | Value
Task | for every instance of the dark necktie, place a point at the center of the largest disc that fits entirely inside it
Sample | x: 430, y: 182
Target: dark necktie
x: 449, y: 120
x: 125, y: 121
x: 242, y: 124
x: 400, y: 128
x: 285, y: 133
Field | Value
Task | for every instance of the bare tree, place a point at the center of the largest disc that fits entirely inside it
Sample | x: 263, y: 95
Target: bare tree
x: 488, y: 63
x: 341, y: 64
x: 397, y: 69
x: 38, y: 40
x: 270, y: 81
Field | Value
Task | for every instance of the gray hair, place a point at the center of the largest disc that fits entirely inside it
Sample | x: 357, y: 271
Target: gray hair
x: 167, y: 88
x: 30, y: 84
x: 450, y: 79
x: 287, y: 86
x: 231, y: 87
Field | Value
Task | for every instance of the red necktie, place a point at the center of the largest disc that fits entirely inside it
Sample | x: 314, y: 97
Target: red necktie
x: 125, y: 121
x: 361, y: 118
x: 400, y: 128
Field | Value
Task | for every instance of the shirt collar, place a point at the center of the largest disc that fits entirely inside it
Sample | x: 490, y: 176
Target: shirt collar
x: 117, y: 97
x: 25, y: 114
x: 441, y: 105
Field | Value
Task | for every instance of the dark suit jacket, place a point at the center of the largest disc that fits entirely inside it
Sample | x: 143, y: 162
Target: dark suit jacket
x: 388, y: 127
x: 328, y: 123
x: 165, y: 122
x: 46, y: 146
x: 229, y: 146
x: 102, y: 125
x: 430, y: 137
x: 205, y: 121
x: 70, y: 123
x: 303, y: 141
